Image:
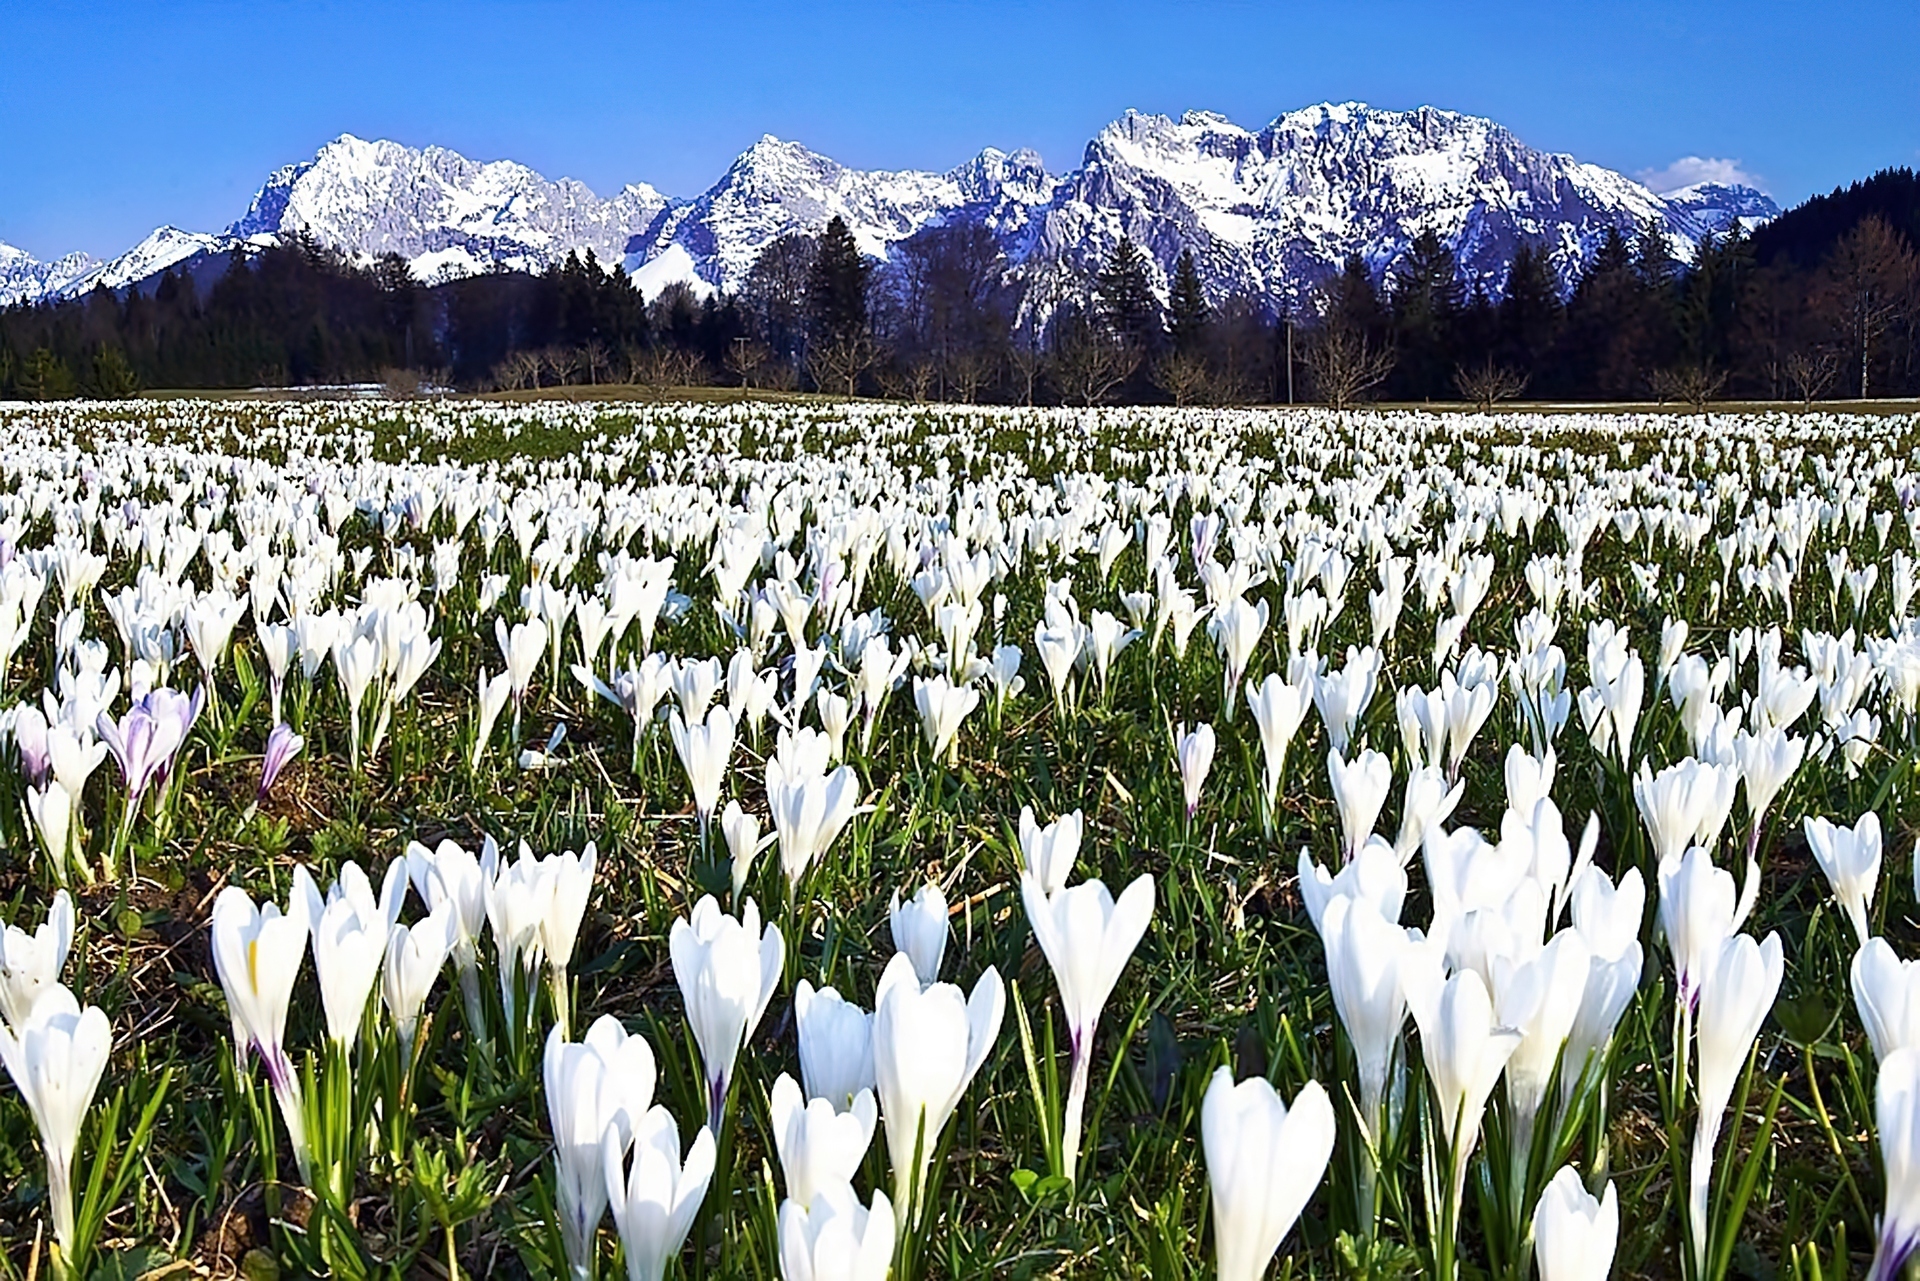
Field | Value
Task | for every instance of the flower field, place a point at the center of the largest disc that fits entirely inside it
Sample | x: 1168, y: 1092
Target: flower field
x: 841, y: 841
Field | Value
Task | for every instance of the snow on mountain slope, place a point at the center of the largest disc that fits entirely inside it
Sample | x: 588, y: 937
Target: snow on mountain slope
x: 164, y: 247
x: 443, y: 212
x: 1716, y: 206
x: 24, y: 278
x: 1270, y: 213
x: 775, y: 188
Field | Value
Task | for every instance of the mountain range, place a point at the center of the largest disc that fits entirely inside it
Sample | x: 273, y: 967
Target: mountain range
x: 1268, y: 213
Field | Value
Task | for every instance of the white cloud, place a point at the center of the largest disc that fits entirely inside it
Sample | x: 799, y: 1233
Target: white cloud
x: 1689, y: 170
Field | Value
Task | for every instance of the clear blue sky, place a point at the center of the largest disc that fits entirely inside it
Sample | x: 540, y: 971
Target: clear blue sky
x: 119, y: 117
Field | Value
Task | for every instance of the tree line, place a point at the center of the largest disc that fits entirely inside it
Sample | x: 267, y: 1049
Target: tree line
x: 1822, y: 302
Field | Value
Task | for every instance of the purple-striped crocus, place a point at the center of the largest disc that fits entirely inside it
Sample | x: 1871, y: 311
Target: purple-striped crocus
x: 30, y: 738
x: 282, y: 746
x: 148, y: 737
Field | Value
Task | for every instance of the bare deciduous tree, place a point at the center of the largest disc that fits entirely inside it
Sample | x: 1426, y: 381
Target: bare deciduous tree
x: 743, y: 357
x: 562, y: 362
x: 968, y: 370
x: 519, y: 370
x: 400, y: 384
x: 1345, y: 365
x: 687, y: 368
x: 1183, y: 375
x: 1489, y: 384
x: 1866, y: 286
x: 594, y: 355
x: 920, y: 376
x: 651, y: 367
x: 1810, y: 371
x: 1693, y: 385
x: 838, y: 362
x: 1029, y: 360
x: 1090, y: 361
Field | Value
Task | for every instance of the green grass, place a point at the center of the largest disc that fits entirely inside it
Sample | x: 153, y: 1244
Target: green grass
x: 1230, y: 972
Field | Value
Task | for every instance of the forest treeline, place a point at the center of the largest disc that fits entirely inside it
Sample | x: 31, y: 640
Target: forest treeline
x: 1823, y: 302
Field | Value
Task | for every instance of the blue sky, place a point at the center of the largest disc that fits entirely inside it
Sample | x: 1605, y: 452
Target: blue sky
x: 120, y: 117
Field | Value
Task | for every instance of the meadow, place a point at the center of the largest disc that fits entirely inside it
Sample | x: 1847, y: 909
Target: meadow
x: 839, y: 840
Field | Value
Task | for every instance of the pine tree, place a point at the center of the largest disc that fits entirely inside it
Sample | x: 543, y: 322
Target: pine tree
x: 1352, y: 303
x: 1658, y: 329
x: 1187, y: 313
x: 1125, y: 290
x: 1530, y: 313
x: 113, y: 378
x: 45, y: 377
x: 1603, y: 332
x: 837, y: 288
x: 1426, y: 302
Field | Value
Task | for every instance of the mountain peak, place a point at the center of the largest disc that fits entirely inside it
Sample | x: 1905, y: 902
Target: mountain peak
x: 444, y: 213
x: 1267, y: 212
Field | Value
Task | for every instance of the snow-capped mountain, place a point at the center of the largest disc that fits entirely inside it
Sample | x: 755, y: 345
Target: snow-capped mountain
x: 164, y: 247
x: 777, y: 187
x: 1716, y: 206
x: 444, y: 213
x: 1268, y: 213
x: 24, y: 278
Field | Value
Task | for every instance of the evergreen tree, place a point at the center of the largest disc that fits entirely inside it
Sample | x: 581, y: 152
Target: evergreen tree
x: 1529, y: 314
x: 837, y: 288
x: 1426, y: 300
x: 1710, y: 294
x: 1188, y: 316
x: 45, y: 376
x: 1351, y: 303
x: 1125, y: 293
x: 113, y: 378
x: 1654, y: 266
x: 1653, y: 260
x: 1600, y: 344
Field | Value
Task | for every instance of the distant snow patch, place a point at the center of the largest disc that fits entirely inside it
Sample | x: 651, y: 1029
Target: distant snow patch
x: 1693, y: 171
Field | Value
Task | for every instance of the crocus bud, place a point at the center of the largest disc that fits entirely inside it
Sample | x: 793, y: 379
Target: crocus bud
x: 597, y: 1091
x: 744, y: 843
x: 1194, y: 753
x: 1850, y: 856
x: 56, y: 1059
x: 819, y: 1147
x: 1735, y: 995
x: 1364, y: 950
x: 1574, y: 1233
x: 1263, y: 1162
x: 1360, y: 790
x: 943, y: 707
x: 1886, y: 991
x: 835, y: 1238
x: 654, y: 1202
x: 31, y: 963
x: 1087, y: 938
x: 282, y: 746
x: 704, y: 750
x: 836, y: 1044
x: 1897, y: 1113
x: 1051, y: 851
x: 920, y: 930
x: 1463, y: 1049
x: 1278, y: 708
x: 927, y: 1046
x: 727, y: 969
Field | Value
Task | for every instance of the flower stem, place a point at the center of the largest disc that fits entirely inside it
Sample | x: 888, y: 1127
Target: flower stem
x: 1076, y: 1103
